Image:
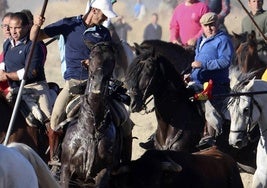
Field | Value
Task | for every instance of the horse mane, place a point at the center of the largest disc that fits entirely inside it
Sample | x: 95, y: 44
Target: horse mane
x: 167, y: 68
x: 238, y: 79
x: 149, y: 43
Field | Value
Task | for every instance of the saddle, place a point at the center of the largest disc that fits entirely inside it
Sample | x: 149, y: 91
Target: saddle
x: 118, y: 95
x: 33, y: 118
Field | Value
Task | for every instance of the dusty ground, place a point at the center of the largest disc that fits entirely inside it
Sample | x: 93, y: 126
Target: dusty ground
x: 145, y: 124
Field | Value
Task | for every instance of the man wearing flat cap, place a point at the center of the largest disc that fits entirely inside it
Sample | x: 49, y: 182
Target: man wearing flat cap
x: 214, y: 53
x: 75, y: 31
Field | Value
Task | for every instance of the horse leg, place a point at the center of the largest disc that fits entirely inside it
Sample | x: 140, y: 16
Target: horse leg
x: 65, y: 176
x: 127, y: 148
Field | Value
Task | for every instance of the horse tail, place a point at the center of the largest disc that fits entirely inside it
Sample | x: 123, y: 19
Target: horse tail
x: 45, y: 178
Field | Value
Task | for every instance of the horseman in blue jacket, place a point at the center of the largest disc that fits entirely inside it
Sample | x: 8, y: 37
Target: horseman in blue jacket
x: 214, y: 53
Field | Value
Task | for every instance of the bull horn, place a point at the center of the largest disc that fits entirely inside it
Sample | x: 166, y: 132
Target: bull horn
x: 171, y: 166
x: 121, y: 170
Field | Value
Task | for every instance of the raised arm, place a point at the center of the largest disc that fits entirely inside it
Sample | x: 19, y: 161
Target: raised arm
x: 37, y: 23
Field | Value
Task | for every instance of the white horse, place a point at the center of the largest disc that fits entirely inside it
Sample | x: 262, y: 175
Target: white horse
x: 21, y: 167
x: 246, y: 111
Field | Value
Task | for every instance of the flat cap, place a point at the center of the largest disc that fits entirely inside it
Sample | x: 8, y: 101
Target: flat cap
x: 209, y: 18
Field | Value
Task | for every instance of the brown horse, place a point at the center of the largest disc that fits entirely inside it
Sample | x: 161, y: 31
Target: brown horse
x: 94, y: 142
x: 35, y: 137
x: 247, y: 58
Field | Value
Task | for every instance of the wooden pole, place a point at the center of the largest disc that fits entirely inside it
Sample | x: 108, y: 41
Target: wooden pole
x: 23, y: 81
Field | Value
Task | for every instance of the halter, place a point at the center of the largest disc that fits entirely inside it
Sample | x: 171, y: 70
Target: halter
x: 249, y: 124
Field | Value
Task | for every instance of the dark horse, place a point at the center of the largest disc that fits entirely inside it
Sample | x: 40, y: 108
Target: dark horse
x: 180, y: 121
x: 93, y: 144
x: 35, y: 137
x: 179, y: 57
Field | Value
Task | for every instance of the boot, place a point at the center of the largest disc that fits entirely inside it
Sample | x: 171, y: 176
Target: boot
x: 127, y: 148
x: 208, y: 139
x: 53, y: 144
x: 149, y: 144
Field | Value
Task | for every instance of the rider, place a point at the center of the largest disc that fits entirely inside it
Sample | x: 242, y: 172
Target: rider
x: 16, y: 50
x: 214, y: 53
x: 75, y: 31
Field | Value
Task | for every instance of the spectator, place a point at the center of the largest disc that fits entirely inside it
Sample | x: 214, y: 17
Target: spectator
x: 122, y: 28
x: 221, y: 8
x: 260, y: 17
x: 212, y: 64
x: 185, y: 28
x: 153, y: 31
x: 4, y: 87
x: 16, y: 51
x: 139, y: 10
x: 74, y: 30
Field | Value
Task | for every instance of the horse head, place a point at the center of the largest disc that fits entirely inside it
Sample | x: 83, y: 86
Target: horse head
x: 140, y: 78
x: 244, y: 110
x: 101, y: 66
x: 247, y: 58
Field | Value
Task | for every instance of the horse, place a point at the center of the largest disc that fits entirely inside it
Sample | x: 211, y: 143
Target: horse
x: 180, y: 57
x: 156, y: 168
x: 247, y: 58
x: 94, y: 143
x: 180, y: 122
x: 35, y: 137
x: 246, y: 111
x: 41, y: 170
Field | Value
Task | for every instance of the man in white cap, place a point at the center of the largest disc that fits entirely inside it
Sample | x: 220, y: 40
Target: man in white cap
x: 75, y: 31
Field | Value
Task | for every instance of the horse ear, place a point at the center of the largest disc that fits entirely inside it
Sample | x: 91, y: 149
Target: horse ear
x: 251, y: 36
x: 137, y: 49
x: 250, y: 84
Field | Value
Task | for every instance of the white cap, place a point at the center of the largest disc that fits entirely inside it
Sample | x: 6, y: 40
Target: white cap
x: 105, y: 6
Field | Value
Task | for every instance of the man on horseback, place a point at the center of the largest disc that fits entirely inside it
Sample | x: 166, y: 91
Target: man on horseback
x: 16, y: 50
x: 214, y: 53
x: 75, y: 30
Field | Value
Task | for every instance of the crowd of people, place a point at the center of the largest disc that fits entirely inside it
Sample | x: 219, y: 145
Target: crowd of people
x: 199, y: 24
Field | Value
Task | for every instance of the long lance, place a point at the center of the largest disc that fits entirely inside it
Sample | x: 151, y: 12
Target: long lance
x: 253, y: 21
x: 28, y: 62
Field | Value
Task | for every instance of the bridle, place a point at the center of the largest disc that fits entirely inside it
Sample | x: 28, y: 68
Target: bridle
x: 249, y: 122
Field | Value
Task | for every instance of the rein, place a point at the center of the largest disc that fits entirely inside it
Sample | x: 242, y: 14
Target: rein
x: 249, y: 124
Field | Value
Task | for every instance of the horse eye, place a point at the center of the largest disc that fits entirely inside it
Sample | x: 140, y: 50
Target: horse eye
x: 246, y: 111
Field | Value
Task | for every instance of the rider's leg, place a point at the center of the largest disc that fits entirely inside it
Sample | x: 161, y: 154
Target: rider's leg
x: 54, y: 146
x: 58, y: 115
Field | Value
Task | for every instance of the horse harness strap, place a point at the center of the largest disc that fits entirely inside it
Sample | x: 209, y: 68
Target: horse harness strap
x: 249, y: 123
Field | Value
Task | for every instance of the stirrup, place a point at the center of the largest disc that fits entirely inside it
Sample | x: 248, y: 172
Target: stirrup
x: 54, y: 162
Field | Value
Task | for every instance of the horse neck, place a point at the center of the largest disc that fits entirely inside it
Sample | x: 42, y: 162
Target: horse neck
x: 94, y: 110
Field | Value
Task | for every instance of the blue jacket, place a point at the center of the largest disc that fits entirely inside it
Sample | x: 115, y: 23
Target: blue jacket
x: 75, y: 33
x: 215, y: 56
